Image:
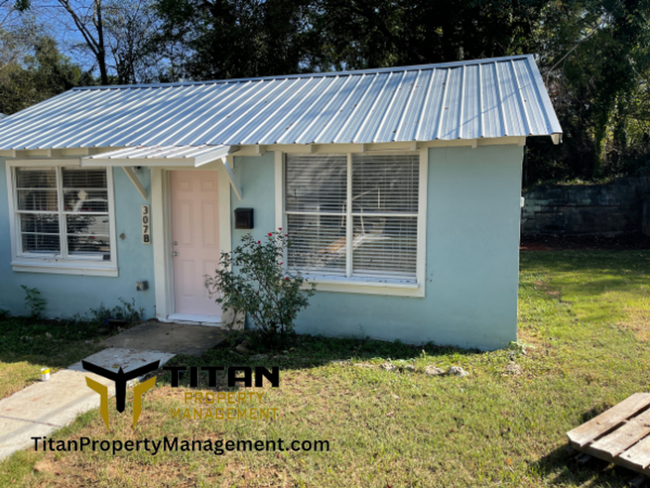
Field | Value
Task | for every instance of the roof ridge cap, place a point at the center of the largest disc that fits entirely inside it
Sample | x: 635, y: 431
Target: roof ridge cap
x: 447, y: 64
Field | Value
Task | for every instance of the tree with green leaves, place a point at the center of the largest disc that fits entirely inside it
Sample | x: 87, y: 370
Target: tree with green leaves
x: 593, y: 56
x: 233, y: 38
x: 377, y: 33
x: 87, y: 18
x: 32, y: 78
x: 116, y: 33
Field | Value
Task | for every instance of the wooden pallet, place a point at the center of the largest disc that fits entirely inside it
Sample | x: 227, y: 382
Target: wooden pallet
x: 620, y: 434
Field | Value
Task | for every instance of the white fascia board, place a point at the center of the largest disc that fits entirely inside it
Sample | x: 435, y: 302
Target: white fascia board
x: 162, y: 162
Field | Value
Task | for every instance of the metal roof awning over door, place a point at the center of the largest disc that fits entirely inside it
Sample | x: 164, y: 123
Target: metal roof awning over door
x: 164, y: 156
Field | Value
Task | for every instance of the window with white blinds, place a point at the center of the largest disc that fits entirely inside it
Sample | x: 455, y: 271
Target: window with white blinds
x: 62, y: 212
x: 353, y: 216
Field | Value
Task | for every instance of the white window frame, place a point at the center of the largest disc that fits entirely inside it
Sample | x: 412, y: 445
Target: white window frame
x: 363, y: 285
x: 51, y: 263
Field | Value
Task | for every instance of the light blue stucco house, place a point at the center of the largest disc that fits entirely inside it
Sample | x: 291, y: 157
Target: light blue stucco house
x: 399, y: 187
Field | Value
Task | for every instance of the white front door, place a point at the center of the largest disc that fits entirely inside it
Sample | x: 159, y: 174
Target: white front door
x: 195, y: 236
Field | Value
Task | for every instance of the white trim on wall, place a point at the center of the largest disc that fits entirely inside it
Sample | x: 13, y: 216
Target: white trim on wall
x: 224, y: 190
x: 349, y: 222
x: 279, y: 190
x: 12, y: 210
x: 356, y: 285
x: 369, y: 288
x: 280, y: 216
x: 421, y: 260
x: 52, y: 264
x: 160, y: 244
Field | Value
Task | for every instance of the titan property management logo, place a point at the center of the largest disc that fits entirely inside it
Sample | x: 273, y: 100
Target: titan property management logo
x: 205, y: 400
x: 120, y: 379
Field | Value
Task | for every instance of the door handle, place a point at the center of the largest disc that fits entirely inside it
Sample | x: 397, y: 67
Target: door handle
x: 175, y: 253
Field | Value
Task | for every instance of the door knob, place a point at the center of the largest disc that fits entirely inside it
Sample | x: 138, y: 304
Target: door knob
x: 175, y: 253
x: 175, y: 243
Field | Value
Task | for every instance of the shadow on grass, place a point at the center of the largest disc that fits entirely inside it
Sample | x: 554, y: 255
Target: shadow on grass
x: 61, y: 342
x: 308, y: 351
x: 562, y: 467
x: 57, y: 343
x: 27, y: 344
x: 621, y: 263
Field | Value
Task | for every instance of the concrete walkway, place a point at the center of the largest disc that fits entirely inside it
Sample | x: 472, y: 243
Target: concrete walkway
x: 44, y: 407
x: 171, y: 338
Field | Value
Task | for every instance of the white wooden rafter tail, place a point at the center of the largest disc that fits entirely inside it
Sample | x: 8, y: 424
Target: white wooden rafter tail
x: 231, y: 176
x: 136, y: 181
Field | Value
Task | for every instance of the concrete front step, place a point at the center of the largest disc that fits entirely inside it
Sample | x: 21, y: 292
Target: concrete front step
x: 113, y: 358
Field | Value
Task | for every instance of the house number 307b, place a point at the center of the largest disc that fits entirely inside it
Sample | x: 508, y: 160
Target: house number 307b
x: 146, y: 225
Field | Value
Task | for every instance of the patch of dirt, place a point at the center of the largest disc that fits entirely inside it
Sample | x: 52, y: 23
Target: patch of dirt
x: 625, y: 242
x: 637, y: 320
x: 45, y: 466
x: 513, y: 369
x: 548, y: 290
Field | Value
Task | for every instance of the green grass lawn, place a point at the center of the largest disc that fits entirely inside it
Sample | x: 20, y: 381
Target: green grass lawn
x: 583, y: 317
x: 27, y: 345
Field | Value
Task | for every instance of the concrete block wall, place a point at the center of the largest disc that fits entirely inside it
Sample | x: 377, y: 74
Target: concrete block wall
x: 602, y: 209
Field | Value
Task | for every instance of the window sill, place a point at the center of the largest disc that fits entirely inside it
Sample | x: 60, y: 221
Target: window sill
x: 54, y: 266
x: 343, y: 285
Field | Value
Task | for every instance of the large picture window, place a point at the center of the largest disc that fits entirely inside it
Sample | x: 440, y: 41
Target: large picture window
x: 354, y: 216
x: 62, y: 214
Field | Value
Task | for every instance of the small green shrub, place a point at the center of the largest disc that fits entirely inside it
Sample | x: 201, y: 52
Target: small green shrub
x: 34, y: 302
x: 251, y: 278
x: 126, y: 311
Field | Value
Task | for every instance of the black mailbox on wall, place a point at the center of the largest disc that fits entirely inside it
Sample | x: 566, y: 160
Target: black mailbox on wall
x: 243, y: 218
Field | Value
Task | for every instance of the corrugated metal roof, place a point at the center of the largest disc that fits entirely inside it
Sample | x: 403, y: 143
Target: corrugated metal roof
x: 153, y: 155
x: 157, y: 152
x: 464, y: 100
